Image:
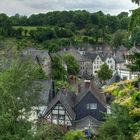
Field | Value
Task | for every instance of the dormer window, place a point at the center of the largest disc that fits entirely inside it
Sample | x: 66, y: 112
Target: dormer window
x: 91, y: 106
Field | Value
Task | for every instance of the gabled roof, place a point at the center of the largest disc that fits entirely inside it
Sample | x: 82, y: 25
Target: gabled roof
x: 91, y: 56
x: 88, y: 121
x: 115, y: 78
x: 133, y: 50
x: 44, y: 87
x: 94, y: 91
x: 67, y: 99
x: 122, y: 48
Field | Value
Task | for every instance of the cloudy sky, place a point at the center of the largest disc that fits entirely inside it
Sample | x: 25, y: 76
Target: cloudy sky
x: 28, y: 7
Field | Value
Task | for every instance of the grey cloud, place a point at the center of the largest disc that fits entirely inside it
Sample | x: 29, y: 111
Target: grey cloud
x: 29, y: 7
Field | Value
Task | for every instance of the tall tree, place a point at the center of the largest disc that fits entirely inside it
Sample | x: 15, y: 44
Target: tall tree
x: 16, y: 99
x: 104, y: 73
x: 136, y: 1
x: 58, y: 69
x: 73, y: 67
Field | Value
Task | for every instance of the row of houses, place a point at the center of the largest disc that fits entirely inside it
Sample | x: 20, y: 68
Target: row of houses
x: 90, y: 61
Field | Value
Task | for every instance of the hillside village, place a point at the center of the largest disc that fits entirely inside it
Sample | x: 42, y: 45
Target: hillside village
x: 80, y: 108
x: 70, y: 74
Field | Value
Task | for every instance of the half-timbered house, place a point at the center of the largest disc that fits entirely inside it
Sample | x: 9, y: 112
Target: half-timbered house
x: 80, y: 110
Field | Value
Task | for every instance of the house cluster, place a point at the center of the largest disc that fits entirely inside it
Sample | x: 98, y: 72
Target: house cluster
x: 81, y: 110
x: 91, y: 60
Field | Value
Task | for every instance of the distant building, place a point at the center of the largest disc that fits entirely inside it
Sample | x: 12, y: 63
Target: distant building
x: 41, y: 57
x: 98, y: 59
x: 85, y: 63
x: 125, y: 73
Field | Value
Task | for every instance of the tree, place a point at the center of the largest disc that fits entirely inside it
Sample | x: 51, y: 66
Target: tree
x: 47, y: 131
x: 117, y: 125
x: 58, y: 70
x: 16, y: 99
x: 119, y: 38
x: 75, y: 135
x: 136, y: 1
x: 73, y: 67
x: 135, y: 16
x: 135, y: 62
x: 41, y: 34
x: 104, y: 73
x: 135, y: 36
x: 126, y: 116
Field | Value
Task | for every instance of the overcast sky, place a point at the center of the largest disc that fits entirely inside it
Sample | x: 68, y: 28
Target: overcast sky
x: 28, y: 7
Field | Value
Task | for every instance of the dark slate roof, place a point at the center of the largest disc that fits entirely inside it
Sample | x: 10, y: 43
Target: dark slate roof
x: 67, y: 99
x: 87, y: 122
x: 45, y: 88
x: 133, y: 50
x: 91, y: 56
x: 115, y: 78
x: 122, y: 48
x: 119, y: 58
x: 94, y: 91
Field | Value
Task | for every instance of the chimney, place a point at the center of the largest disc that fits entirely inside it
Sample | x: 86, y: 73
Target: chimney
x: 79, y: 88
x: 87, y: 84
x: 53, y: 89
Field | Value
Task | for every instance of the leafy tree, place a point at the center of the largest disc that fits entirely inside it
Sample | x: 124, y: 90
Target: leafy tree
x: 58, y: 70
x: 17, y: 97
x: 136, y: 1
x: 117, y: 125
x: 127, y: 118
x: 135, y: 36
x: 63, y: 32
x: 135, y: 62
x: 75, y: 135
x: 47, y: 131
x: 118, y: 39
x: 5, y: 25
x: 104, y: 73
x: 41, y: 34
x: 73, y: 67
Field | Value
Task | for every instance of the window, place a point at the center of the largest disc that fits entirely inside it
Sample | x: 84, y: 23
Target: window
x: 91, y: 106
x: 88, y: 106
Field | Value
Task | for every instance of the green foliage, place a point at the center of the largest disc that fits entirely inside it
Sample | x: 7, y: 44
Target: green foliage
x: 41, y: 34
x: 120, y: 38
x: 117, y: 125
x: 49, y: 132
x: 73, y: 67
x: 135, y: 36
x: 104, y: 73
x: 135, y: 19
x: 17, y: 97
x: 136, y: 1
x: 58, y: 70
x: 135, y: 62
x: 125, y: 115
x: 75, y: 135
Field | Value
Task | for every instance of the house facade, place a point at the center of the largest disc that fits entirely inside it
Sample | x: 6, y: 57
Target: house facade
x: 99, y: 59
x: 77, y: 110
x: 97, y: 62
x: 110, y: 61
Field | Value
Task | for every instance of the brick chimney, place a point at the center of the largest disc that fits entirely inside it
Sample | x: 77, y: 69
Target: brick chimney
x: 87, y: 84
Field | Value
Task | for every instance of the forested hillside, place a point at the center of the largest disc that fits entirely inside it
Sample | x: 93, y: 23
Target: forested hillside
x: 55, y: 30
